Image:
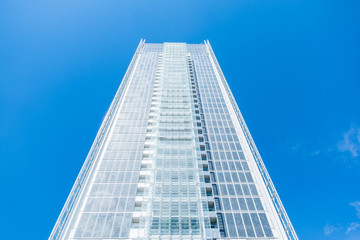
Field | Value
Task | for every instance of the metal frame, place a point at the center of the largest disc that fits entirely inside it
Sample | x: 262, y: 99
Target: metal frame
x: 67, y: 211
x: 285, y: 221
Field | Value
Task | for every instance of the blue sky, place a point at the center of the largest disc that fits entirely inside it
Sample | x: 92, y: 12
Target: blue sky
x: 293, y: 66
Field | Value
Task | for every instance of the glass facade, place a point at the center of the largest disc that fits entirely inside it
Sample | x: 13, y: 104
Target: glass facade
x: 173, y: 159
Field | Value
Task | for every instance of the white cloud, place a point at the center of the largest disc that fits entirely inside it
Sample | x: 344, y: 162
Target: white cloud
x: 329, y: 229
x: 353, y: 226
x: 351, y: 142
x: 356, y: 205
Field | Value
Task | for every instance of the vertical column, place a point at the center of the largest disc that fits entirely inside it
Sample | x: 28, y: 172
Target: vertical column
x: 213, y: 228
x: 171, y: 190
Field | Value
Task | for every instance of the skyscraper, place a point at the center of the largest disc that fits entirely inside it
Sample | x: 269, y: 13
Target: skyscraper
x: 173, y: 159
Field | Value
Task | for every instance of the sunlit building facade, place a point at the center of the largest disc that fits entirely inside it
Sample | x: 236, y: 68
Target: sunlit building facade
x: 173, y: 159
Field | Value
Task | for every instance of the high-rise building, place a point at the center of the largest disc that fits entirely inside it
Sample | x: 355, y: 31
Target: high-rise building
x: 173, y: 159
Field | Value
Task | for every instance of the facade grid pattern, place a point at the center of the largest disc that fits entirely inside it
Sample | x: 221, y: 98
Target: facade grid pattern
x: 173, y: 159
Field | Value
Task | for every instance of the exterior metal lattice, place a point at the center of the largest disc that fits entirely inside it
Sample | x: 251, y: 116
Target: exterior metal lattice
x: 173, y: 159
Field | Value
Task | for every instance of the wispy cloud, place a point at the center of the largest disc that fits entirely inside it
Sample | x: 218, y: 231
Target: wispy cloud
x: 329, y: 229
x: 353, y: 226
x: 307, y: 150
x: 350, y: 142
x: 356, y: 205
x: 348, y: 229
x: 346, y: 144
